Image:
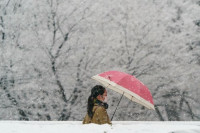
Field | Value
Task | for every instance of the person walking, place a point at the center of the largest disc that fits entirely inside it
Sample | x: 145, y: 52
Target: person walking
x: 96, y: 107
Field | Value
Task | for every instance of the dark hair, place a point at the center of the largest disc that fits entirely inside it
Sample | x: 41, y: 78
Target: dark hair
x: 96, y: 90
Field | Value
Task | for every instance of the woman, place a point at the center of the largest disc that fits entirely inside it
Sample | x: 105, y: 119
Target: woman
x: 96, y: 108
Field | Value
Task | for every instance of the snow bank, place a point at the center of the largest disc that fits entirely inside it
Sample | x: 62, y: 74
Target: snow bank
x: 117, y: 127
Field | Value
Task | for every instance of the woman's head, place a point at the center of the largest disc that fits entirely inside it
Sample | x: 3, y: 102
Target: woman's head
x: 98, y: 92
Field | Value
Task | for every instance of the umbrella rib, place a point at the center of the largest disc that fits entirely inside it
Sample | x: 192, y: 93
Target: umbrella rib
x: 107, y: 85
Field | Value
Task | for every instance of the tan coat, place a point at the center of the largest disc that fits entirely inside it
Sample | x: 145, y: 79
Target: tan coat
x: 100, y: 116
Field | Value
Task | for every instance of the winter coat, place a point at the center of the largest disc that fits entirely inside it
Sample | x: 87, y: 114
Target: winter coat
x: 100, y: 116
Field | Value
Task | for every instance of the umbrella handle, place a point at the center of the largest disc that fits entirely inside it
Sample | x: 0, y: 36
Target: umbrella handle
x: 117, y: 106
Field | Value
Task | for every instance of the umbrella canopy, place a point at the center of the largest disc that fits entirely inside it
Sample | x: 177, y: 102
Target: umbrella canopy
x: 127, y: 85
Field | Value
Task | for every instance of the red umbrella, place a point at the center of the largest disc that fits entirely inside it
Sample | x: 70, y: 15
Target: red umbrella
x: 128, y: 86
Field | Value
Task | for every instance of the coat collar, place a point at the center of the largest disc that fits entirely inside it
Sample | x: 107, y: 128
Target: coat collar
x: 99, y: 103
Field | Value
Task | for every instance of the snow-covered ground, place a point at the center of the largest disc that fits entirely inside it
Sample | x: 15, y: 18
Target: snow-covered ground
x: 117, y: 127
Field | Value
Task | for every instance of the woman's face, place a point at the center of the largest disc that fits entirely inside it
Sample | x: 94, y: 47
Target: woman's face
x: 102, y: 97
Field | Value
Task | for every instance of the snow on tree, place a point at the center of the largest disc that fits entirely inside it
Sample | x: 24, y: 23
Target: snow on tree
x: 50, y: 49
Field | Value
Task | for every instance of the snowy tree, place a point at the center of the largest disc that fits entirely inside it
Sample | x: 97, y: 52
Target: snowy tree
x: 13, y: 72
x: 49, y: 50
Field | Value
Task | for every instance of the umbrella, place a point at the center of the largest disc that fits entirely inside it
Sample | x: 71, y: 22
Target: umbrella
x: 128, y: 86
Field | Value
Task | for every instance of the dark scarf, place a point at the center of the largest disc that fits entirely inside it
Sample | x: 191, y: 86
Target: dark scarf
x: 105, y: 105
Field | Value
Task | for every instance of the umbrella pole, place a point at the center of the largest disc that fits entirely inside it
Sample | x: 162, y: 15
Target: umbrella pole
x: 117, y: 106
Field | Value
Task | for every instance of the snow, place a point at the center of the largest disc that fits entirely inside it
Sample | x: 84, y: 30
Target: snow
x: 117, y: 127
x: 157, y: 41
